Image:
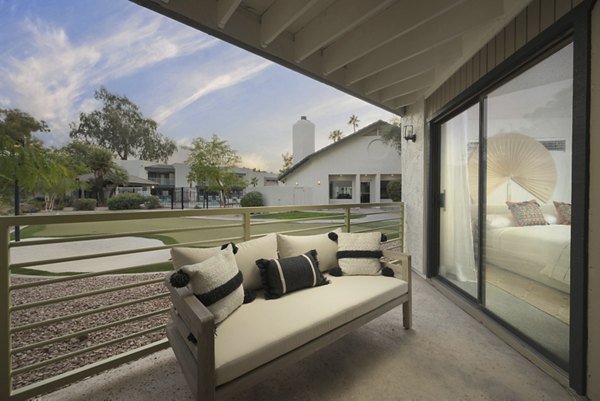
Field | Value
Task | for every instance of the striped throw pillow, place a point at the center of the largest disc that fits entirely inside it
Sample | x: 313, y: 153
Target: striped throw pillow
x: 282, y: 276
x: 359, y: 253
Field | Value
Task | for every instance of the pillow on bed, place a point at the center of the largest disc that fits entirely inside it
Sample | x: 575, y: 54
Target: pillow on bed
x: 282, y: 276
x: 216, y: 282
x: 527, y: 213
x: 359, y: 253
x: 246, y: 256
x: 563, y: 210
x: 499, y: 221
x: 294, y: 245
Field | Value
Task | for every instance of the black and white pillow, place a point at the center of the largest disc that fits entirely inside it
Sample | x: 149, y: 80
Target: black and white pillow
x: 216, y: 282
x: 359, y: 253
x: 282, y: 276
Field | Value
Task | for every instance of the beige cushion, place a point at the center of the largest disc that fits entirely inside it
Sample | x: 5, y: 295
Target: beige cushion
x: 294, y: 245
x: 248, y: 253
x: 270, y: 328
x: 213, y: 273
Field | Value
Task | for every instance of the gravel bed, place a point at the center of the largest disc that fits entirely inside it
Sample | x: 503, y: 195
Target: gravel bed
x: 65, y: 327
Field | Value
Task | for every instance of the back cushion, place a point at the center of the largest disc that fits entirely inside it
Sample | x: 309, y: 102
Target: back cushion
x: 247, y: 255
x: 294, y: 245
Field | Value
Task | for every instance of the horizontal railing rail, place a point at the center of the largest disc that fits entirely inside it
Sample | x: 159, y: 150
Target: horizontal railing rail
x: 59, y: 325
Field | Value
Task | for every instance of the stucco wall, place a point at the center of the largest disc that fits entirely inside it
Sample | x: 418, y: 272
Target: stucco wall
x: 415, y: 193
x: 361, y: 155
x: 594, y: 238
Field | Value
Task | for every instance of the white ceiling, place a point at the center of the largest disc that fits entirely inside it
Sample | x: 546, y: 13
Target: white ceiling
x: 387, y: 52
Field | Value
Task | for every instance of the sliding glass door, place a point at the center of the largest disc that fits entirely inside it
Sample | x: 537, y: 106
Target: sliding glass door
x: 508, y: 245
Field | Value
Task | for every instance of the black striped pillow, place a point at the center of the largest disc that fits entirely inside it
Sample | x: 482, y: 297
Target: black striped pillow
x: 282, y: 276
x: 216, y: 282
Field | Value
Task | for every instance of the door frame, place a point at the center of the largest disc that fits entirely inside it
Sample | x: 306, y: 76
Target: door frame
x: 575, y: 26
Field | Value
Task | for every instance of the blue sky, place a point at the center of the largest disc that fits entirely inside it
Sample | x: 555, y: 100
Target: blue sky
x: 54, y: 54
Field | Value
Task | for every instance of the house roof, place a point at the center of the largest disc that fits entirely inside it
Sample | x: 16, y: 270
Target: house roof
x: 377, y: 125
x: 132, y: 180
x: 387, y: 52
x: 165, y: 168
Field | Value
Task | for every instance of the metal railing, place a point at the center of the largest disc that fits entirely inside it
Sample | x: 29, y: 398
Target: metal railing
x: 63, y: 321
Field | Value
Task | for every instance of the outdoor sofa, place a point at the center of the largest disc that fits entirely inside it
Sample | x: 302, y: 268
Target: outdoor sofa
x: 261, y: 337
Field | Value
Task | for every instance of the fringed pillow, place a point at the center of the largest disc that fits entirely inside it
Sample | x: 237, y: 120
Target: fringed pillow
x: 216, y: 282
x: 282, y: 276
x: 359, y: 253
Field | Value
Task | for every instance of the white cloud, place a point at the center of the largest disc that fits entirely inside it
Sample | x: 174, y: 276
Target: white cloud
x: 244, y: 68
x: 54, y: 72
x: 4, y: 101
x: 257, y: 161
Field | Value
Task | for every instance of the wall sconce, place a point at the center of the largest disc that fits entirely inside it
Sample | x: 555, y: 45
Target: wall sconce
x: 409, y: 133
x: 319, y: 182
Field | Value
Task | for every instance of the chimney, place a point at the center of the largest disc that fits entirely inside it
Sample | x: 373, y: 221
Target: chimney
x: 303, y: 139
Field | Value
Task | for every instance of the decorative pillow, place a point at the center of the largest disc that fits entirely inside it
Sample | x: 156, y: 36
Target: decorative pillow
x: 294, y: 245
x: 246, y: 256
x: 527, y: 213
x: 551, y: 218
x: 216, y: 282
x: 563, y: 210
x: 359, y: 253
x: 282, y: 276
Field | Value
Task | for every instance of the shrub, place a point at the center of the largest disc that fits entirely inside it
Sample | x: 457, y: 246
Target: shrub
x: 126, y: 201
x: 253, y: 198
x: 32, y: 207
x: 84, y: 204
x: 394, y: 190
x: 344, y: 196
x: 152, y: 202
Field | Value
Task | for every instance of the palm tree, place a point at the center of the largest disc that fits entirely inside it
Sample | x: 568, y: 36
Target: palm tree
x: 254, y: 181
x: 336, y: 135
x: 354, y: 121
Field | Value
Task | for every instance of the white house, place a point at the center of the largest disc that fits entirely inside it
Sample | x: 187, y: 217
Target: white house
x: 355, y: 169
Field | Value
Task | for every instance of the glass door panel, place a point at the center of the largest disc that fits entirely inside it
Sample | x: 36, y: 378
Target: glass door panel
x: 458, y: 209
x: 528, y: 202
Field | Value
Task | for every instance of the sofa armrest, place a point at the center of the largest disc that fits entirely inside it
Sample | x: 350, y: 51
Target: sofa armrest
x: 399, y: 262
x: 196, y: 316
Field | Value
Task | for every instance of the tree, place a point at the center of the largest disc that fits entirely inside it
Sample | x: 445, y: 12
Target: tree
x: 211, y: 162
x: 23, y: 164
x: 60, y: 177
x: 288, y: 162
x: 98, y: 161
x: 254, y: 181
x: 392, y: 135
x: 120, y: 127
x: 353, y: 121
x: 116, y: 176
x: 336, y: 135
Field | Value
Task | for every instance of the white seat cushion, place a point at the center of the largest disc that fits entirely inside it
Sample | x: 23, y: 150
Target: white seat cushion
x: 259, y: 332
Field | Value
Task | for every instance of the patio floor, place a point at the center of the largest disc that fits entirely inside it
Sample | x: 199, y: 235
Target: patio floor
x: 446, y: 356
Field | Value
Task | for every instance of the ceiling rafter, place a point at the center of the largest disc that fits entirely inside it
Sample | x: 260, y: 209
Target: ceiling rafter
x: 341, y: 17
x: 435, y: 56
x: 225, y: 9
x: 381, y: 29
x: 404, y: 101
x: 437, y: 31
x: 280, y: 16
x: 421, y: 81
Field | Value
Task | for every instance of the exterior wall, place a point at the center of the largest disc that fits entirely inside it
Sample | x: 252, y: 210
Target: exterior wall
x: 366, y: 156
x: 414, y: 184
x: 593, y: 390
x: 286, y: 196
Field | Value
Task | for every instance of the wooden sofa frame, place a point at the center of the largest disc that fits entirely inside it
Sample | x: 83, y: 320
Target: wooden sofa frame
x: 196, y: 355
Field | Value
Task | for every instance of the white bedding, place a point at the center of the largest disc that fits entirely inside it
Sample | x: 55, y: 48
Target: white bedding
x: 538, y: 252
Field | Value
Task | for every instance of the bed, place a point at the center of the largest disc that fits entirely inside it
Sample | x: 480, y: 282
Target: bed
x: 538, y: 252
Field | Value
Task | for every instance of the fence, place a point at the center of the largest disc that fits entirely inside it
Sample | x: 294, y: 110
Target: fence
x: 59, y: 328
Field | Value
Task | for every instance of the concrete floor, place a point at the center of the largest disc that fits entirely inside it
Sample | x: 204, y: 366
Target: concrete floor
x: 446, y: 356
